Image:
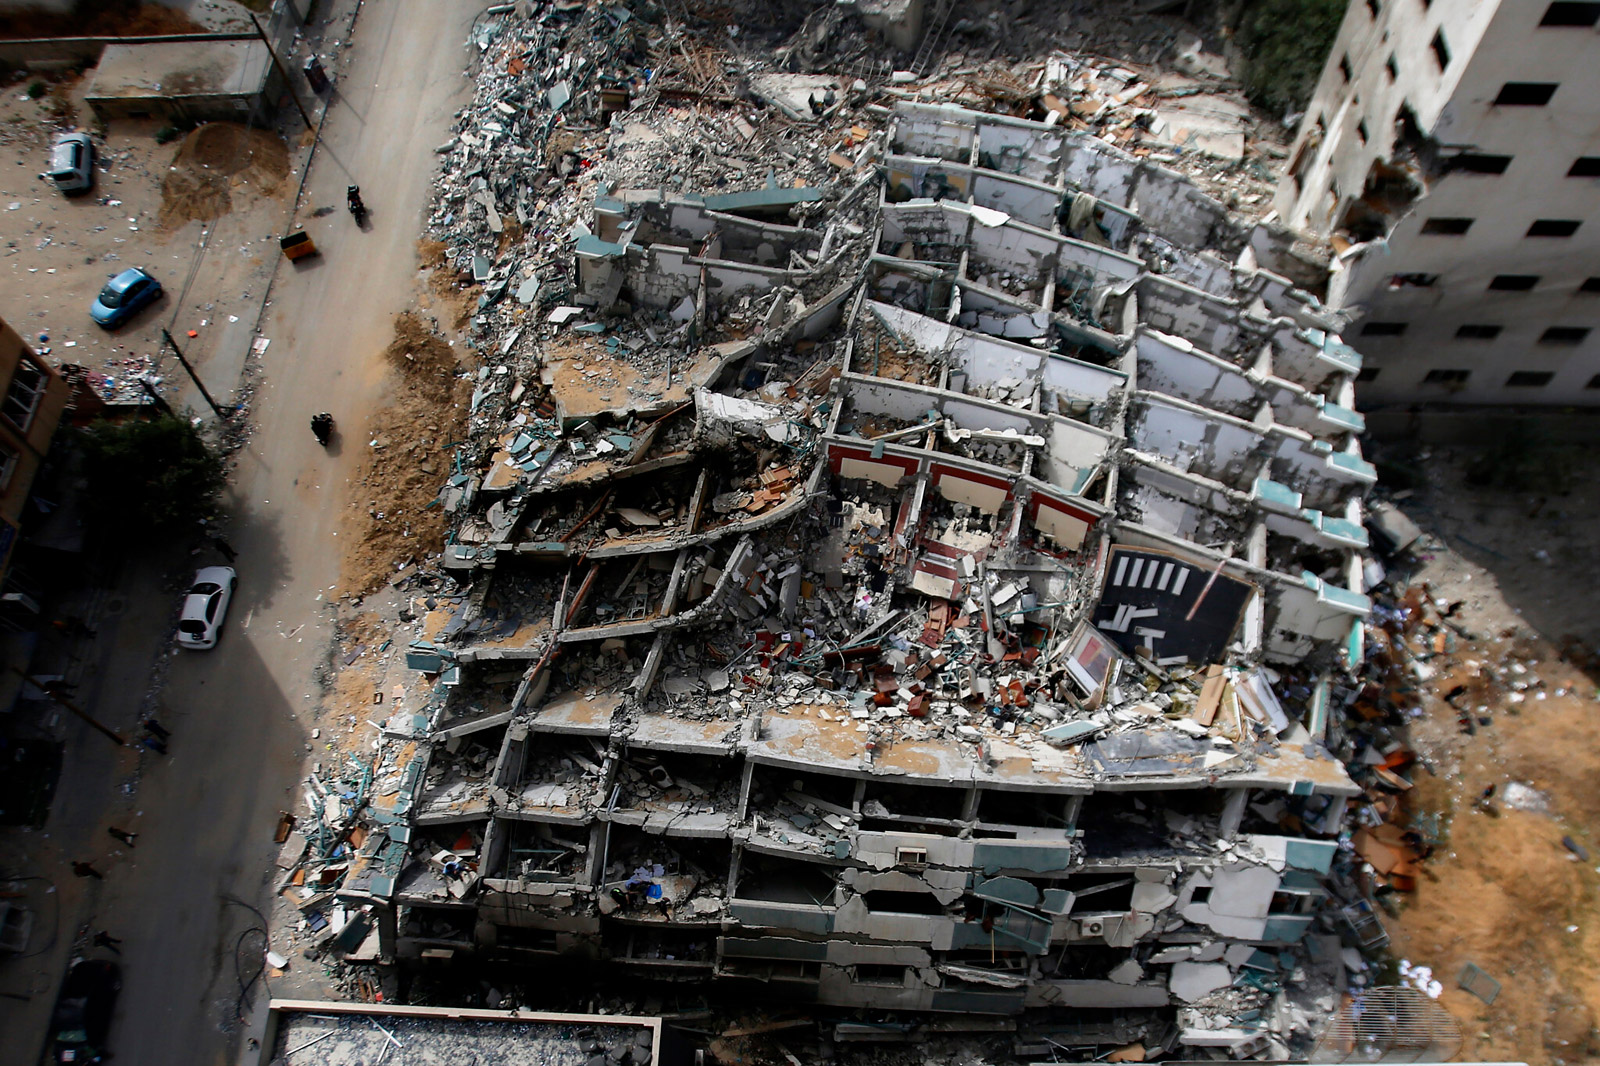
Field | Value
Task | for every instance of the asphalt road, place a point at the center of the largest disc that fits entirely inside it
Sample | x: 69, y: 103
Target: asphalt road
x: 240, y: 713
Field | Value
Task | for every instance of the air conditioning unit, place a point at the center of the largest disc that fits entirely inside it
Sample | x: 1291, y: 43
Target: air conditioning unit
x: 1092, y: 927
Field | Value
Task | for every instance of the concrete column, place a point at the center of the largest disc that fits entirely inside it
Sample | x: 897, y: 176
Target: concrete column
x: 1233, y: 813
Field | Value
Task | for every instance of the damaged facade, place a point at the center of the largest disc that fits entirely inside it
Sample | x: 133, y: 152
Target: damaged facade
x: 1449, y: 153
x: 918, y: 579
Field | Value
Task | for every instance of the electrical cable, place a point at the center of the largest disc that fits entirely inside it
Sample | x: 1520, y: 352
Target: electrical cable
x: 261, y: 969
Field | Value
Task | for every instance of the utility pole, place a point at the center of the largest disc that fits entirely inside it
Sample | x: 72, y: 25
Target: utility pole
x: 69, y: 705
x: 282, y: 71
x: 155, y: 397
x: 192, y: 375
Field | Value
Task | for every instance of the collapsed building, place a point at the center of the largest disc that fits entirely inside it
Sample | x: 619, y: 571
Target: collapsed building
x: 930, y: 588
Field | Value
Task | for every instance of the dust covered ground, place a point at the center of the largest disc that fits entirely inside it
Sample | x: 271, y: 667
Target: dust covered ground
x: 1501, y: 888
x: 202, y: 214
x: 393, y: 516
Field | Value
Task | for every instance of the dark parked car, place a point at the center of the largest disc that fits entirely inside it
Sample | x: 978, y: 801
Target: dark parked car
x: 122, y: 296
x: 83, y: 1012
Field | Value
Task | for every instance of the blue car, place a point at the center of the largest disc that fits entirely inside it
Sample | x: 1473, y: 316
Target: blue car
x: 124, y: 295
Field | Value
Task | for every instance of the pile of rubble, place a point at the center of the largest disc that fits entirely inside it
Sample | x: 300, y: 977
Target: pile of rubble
x: 926, y: 536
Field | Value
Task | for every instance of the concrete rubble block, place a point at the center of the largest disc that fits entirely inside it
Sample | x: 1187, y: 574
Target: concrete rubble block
x: 1191, y: 981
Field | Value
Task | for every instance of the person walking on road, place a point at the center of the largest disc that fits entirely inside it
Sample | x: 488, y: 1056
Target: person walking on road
x: 154, y: 743
x: 156, y: 728
x: 103, y: 939
x: 83, y: 869
x: 122, y: 835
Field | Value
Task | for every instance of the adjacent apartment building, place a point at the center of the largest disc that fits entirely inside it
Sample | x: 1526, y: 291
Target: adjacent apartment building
x: 34, y: 396
x: 1452, y: 153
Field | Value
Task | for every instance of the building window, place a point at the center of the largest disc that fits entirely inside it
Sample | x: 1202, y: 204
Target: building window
x: 1200, y: 894
x: 1585, y: 166
x: 1525, y: 94
x: 1391, y: 68
x: 1568, y: 335
x: 1529, y: 379
x: 1361, y: 130
x: 1415, y: 281
x: 1446, y: 377
x: 1368, y: 373
x: 1441, y: 51
x: 1553, y: 227
x: 1372, y: 6
x: 1590, y: 285
x: 22, y: 398
x: 1446, y: 227
x: 1477, y: 163
x: 1478, y: 332
x: 1514, y: 282
x: 1344, y: 68
x: 1565, y: 13
x: 1383, y: 329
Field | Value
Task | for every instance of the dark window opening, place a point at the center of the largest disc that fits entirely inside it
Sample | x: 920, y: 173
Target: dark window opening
x: 1292, y: 903
x: 510, y: 936
x: 873, y: 973
x: 1344, y: 67
x: 1022, y: 808
x: 1590, y: 285
x: 1529, y: 379
x: 1441, y: 51
x: 1383, y: 329
x: 912, y: 801
x: 1413, y: 280
x: 1474, y: 332
x: 1478, y: 163
x: 1554, y: 227
x: 770, y: 879
x: 1372, y: 6
x: 1514, y: 282
x: 1585, y: 166
x: 1446, y: 377
x: 1201, y: 894
x: 1568, y: 13
x: 1392, y: 68
x: 1367, y: 373
x: 1564, y: 335
x: 904, y: 903
x: 1525, y: 93
x: 1100, y: 893
x: 770, y: 785
x: 1446, y: 227
x: 1361, y: 130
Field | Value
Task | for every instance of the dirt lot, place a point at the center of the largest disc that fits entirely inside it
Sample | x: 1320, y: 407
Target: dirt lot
x: 200, y: 214
x: 1502, y: 890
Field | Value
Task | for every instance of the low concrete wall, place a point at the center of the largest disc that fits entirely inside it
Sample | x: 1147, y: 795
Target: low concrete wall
x: 59, y: 53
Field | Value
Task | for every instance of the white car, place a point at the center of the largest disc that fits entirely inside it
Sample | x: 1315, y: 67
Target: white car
x: 72, y: 163
x: 205, y: 605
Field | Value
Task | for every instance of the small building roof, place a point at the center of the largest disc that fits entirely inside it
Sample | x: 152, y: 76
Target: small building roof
x: 180, y: 69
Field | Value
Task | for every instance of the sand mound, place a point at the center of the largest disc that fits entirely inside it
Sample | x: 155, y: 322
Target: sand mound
x: 216, y: 163
x: 390, y: 520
